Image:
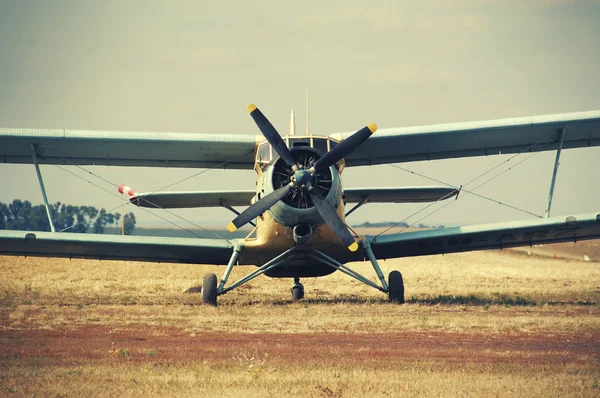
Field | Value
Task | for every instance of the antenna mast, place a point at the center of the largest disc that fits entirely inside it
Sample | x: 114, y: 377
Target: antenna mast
x: 307, y: 112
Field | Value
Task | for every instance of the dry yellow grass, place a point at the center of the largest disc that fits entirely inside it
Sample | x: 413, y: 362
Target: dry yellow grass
x: 205, y: 379
x: 481, y: 274
x: 79, y: 291
x: 480, y: 294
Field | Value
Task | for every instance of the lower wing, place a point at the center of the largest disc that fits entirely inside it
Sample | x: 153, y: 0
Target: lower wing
x: 115, y: 247
x: 487, y: 236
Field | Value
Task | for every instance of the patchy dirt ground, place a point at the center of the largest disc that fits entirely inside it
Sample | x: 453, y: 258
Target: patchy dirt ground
x: 475, y: 324
x: 172, y: 345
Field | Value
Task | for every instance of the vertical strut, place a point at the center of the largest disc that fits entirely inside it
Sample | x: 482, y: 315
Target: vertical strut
x: 39, y: 176
x: 369, y: 252
x: 234, y: 256
x: 555, y: 171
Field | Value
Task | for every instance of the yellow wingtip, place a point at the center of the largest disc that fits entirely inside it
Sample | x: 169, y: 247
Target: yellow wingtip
x: 372, y: 127
x: 231, y: 227
x: 251, y: 108
x: 353, y: 247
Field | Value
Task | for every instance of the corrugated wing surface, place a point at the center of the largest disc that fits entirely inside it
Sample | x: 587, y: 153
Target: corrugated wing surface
x: 481, y: 138
x: 127, y: 148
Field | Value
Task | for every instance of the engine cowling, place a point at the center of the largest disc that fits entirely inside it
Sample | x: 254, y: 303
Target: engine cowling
x: 297, y: 207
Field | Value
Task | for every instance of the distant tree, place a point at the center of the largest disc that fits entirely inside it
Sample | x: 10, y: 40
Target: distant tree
x: 4, y: 214
x: 38, y: 219
x: 19, y: 211
x: 101, y: 222
x: 129, y: 223
x: 117, y: 219
x: 22, y: 215
x: 382, y: 224
x: 104, y: 218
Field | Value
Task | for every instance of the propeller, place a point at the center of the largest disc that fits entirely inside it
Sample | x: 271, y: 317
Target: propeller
x: 344, y: 148
x: 332, y: 219
x: 301, y: 178
x: 267, y: 129
x: 259, y: 207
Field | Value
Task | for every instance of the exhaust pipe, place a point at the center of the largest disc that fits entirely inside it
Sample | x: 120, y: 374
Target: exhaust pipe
x: 302, y: 234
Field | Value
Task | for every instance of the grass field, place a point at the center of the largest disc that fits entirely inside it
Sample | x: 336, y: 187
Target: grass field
x: 475, y: 324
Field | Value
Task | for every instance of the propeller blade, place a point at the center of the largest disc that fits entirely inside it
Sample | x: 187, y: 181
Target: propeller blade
x: 267, y: 129
x: 258, y: 208
x: 345, y: 147
x: 332, y: 219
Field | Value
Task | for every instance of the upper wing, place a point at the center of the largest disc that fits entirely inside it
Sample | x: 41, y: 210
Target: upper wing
x: 490, y: 236
x: 115, y: 247
x: 399, y: 195
x: 174, y: 200
x: 454, y: 140
x: 125, y: 148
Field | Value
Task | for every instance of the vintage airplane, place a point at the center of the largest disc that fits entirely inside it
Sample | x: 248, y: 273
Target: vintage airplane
x: 299, y: 204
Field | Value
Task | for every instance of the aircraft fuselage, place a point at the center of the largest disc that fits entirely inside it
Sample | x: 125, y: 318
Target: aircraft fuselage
x: 295, y: 217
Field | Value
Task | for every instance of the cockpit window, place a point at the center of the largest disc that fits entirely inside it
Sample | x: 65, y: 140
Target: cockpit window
x: 298, y: 142
x: 320, y: 144
x: 264, y: 154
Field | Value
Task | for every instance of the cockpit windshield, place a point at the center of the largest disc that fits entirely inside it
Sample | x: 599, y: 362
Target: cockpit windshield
x: 265, y: 154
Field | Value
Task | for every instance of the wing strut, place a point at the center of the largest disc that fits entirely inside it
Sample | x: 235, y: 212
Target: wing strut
x: 41, y: 181
x: 224, y: 204
x: 561, y: 139
x: 359, y: 204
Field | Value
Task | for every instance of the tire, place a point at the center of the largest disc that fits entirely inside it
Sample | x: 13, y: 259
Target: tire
x: 209, y: 289
x: 396, y: 286
x: 297, y: 293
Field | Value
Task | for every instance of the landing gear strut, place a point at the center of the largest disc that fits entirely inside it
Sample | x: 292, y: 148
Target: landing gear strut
x: 394, y: 286
x: 297, y: 290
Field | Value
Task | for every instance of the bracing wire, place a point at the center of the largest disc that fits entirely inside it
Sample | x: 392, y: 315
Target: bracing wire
x: 467, y: 192
x: 146, y: 200
x: 128, y: 203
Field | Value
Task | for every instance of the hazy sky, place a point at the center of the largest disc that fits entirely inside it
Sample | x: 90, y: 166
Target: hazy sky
x: 194, y: 66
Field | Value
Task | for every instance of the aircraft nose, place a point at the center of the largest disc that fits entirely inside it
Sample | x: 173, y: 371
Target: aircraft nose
x: 302, y: 176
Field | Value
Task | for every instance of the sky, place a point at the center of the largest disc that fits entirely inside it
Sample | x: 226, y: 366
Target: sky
x: 189, y: 66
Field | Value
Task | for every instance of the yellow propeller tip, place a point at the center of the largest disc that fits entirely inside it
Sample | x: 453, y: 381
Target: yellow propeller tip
x: 353, y: 247
x: 231, y: 227
x: 372, y: 127
x: 251, y: 108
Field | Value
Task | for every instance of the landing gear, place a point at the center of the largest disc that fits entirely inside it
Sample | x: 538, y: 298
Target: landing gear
x: 297, y: 290
x: 393, y: 286
x: 209, y: 289
x: 396, y: 287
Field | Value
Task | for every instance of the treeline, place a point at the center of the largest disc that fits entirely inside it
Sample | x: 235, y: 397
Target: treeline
x: 385, y: 224
x: 22, y: 215
x: 381, y: 224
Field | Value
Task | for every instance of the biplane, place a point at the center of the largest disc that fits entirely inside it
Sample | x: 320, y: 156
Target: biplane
x: 299, y: 207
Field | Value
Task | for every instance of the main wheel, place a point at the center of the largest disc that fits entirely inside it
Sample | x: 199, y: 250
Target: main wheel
x: 209, y: 289
x: 396, y: 286
x: 297, y: 292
